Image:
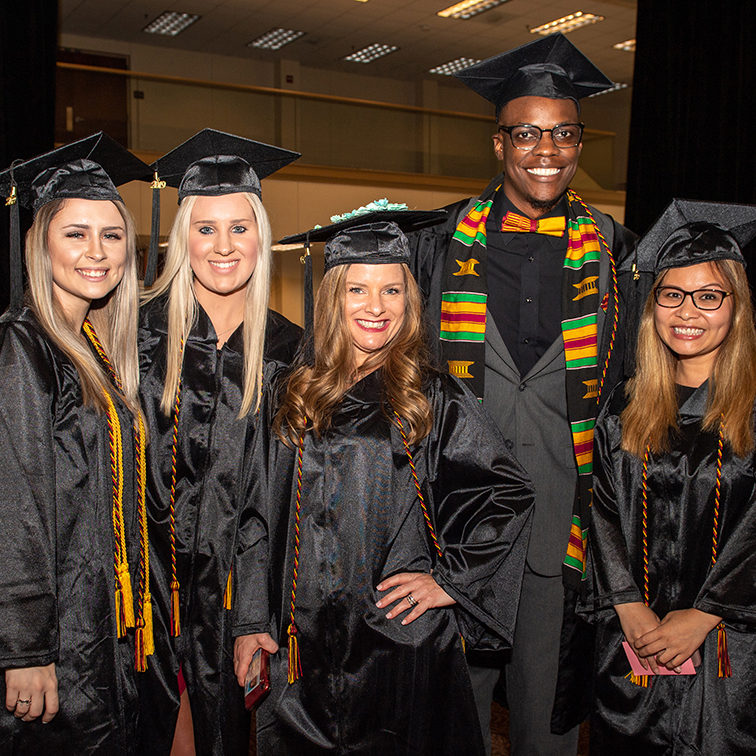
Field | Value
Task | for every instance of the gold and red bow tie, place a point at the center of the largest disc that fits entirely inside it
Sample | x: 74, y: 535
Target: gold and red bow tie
x: 519, y: 223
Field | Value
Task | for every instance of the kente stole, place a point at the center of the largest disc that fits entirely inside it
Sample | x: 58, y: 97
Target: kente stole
x: 463, y: 333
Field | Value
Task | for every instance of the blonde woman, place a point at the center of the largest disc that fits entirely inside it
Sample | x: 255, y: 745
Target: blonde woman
x: 385, y: 519
x: 205, y: 332
x: 73, y: 574
x: 674, y: 512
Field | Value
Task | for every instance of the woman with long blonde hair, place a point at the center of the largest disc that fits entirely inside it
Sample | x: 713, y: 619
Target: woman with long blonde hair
x: 384, y: 519
x: 674, y: 511
x: 74, y: 572
x: 205, y: 333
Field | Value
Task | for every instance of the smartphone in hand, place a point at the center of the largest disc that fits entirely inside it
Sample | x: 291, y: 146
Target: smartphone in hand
x: 257, y: 682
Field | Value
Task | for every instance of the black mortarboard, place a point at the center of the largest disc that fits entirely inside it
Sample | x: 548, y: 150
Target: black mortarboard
x: 372, y: 238
x: 689, y: 232
x: 212, y: 163
x: 91, y: 169
x: 547, y: 67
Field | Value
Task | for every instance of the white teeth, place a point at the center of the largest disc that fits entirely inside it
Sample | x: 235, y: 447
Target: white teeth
x: 544, y: 171
x: 224, y: 265
x: 688, y: 331
x: 95, y: 275
x: 372, y: 324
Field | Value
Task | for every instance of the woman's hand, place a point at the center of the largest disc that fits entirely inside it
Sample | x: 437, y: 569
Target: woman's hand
x: 244, y: 649
x: 30, y: 691
x: 636, y: 620
x: 677, y: 637
x: 417, y: 591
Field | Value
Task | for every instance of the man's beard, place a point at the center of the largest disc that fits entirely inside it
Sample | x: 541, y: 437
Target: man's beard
x: 544, y: 205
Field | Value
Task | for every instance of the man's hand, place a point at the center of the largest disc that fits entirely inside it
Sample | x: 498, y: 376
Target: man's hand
x: 244, y: 649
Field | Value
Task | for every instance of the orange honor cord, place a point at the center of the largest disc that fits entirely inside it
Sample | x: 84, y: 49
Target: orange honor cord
x: 175, y: 619
x: 295, y: 662
x: 144, y: 642
x: 227, y: 600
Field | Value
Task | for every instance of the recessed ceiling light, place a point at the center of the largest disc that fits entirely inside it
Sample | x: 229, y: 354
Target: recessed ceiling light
x: 275, y: 39
x: 450, y: 68
x: 617, y: 85
x: 567, y: 23
x: 370, y: 53
x: 469, y: 8
x: 628, y: 45
x: 171, y: 23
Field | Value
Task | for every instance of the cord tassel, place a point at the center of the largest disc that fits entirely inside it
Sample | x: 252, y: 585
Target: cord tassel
x: 175, y: 620
x: 643, y: 681
x: 295, y: 663
x: 16, y: 258
x: 152, y: 256
x: 723, y: 657
x: 145, y: 641
x: 227, y: 592
x: 120, y: 619
x: 127, y: 595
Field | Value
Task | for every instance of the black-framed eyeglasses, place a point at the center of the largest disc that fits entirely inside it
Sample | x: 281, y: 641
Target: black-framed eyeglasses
x: 527, y: 137
x: 703, y: 299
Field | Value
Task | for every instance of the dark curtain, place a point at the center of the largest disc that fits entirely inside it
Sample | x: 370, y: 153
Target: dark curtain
x: 28, y: 43
x: 692, y: 126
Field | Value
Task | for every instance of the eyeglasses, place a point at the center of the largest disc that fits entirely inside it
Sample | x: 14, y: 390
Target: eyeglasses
x: 703, y: 299
x: 528, y: 137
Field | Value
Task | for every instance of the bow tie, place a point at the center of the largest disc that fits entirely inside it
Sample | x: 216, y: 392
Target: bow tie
x: 519, y: 223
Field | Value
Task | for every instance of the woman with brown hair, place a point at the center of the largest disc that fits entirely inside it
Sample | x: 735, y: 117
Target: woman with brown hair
x: 386, y: 523
x: 674, y: 513
x: 74, y: 573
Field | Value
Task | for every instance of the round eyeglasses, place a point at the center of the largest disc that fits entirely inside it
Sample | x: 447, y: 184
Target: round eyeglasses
x: 528, y: 137
x: 703, y: 299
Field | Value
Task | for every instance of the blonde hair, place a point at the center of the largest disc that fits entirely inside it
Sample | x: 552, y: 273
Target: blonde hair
x: 178, y: 280
x: 314, y: 391
x: 732, y: 386
x: 114, y: 317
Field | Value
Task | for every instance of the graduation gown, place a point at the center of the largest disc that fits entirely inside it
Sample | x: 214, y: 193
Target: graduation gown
x: 701, y: 714
x: 57, y: 576
x: 371, y: 685
x: 209, y: 453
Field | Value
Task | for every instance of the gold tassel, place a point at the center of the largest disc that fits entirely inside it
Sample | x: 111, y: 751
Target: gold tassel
x: 643, y: 681
x: 124, y: 578
x: 295, y: 664
x: 227, y: 593
x: 120, y: 620
x: 149, y: 635
x: 175, y: 620
x: 723, y: 656
x: 464, y: 645
x: 140, y: 662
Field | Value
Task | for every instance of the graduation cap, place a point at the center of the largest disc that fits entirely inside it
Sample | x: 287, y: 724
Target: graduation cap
x: 547, y: 67
x: 690, y: 232
x: 210, y: 164
x: 373, y: 238
x: 90, y: 168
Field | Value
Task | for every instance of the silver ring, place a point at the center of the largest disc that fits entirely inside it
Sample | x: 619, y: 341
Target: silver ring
x: 23, y: 701
x: 411, y: 600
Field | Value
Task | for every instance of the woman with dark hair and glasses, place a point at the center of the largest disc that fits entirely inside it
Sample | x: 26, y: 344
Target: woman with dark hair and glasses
x: 674, y: 509
x: 387, y: 523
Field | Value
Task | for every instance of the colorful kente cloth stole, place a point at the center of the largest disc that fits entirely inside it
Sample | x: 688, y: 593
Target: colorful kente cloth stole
x: 463, y: 328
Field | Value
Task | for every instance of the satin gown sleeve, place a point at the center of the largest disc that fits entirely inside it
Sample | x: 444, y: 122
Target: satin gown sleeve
x: 28, y: 584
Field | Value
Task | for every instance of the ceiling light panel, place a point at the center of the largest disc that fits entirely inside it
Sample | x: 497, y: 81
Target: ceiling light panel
x: 567, y: 24
x: 450, y: 68
x: 370, y: 53
x: 628, y: 45
x: 469, y: 8
x: 617, y: 85
x: 171, y: 23
x: 275, y: 39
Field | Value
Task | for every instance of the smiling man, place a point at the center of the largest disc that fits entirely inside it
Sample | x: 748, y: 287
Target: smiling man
x: 527, y: 310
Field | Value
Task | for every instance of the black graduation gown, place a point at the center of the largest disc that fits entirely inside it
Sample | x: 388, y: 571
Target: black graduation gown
x: 209, y: 453
x: 701, y: 714
x: 57, y: 579
x: 371, y: 685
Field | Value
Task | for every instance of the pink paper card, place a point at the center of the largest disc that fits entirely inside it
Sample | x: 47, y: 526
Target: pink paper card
x: 686, y: 669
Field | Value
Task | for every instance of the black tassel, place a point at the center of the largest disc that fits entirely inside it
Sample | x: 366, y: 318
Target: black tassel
x: 16, y: 261
x: 309, y: 307
x: 152, y: 256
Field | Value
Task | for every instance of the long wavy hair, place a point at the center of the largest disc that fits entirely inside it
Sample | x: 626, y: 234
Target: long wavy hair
x: 178, y: 280
x: 313, y: 392
x: 114, y: 317
x: 732, y: 386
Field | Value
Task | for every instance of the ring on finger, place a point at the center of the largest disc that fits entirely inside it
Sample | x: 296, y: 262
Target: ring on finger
x: 411, y: 600
x: 25, y: 701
